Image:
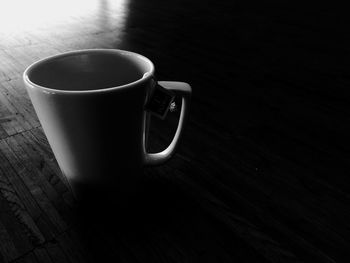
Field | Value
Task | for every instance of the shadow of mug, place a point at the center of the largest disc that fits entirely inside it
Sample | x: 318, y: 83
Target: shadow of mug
x: 160, y: 210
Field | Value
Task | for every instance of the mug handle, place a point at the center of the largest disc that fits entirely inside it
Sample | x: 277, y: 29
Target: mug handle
x: 184, y: 90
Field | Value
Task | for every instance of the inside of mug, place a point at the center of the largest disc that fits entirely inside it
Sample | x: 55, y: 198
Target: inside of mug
x: 90, y: 70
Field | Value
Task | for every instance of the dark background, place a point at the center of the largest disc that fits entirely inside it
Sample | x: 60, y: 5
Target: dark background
x: 269, y: 125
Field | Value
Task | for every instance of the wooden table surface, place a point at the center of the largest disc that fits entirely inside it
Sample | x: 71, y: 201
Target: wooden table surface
x: 262, y: 173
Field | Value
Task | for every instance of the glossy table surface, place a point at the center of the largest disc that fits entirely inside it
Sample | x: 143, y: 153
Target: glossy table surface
x: 262, y: 171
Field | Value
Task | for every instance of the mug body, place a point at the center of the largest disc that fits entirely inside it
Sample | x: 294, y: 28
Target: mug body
x: 90, y: 104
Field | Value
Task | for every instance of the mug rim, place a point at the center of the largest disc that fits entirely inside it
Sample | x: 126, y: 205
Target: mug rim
x: 144, y: 78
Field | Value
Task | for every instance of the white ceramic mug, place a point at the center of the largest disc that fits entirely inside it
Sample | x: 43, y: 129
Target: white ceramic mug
x: 90, y: 104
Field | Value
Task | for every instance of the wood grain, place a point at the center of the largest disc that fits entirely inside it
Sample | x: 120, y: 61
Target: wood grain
x: 261, y: 174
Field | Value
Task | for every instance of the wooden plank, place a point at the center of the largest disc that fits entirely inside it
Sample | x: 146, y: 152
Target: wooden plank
x: 18, y: 147
x: 38, y: 138
x: 13, y: 217
x: 297, y: 201
x: 4, y: 76
x: 19, y: 62
x: 7, y: 40
x: 21, y: 55
x: 42, y: 255
x: 78, y: 242
x: 70, y: 248
x: 7, y: 67
x: 55, y: 252
x: 10, y: 125
x: 3, y: 133
x: 38, y: 163
x: 15, y: 64
x: 27, y: 200
x: 40, y: 51
x: 7, y: 248
x: 293, y: 236
x: 46, y: 153
x: 41, y: 190
x: 33, y: 194
x: 31, y: 234
x: 43, y: 148
x: 17, y: 183
x: 38, y: 160
x: 42, y: 140
x: 27, y: 258
x: 271, y: 249
x: 20, y: 88
x: 25, y: 52
x: 22, y: 104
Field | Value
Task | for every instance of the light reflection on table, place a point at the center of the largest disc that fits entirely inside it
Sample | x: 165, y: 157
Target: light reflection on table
x: 22, y: 19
